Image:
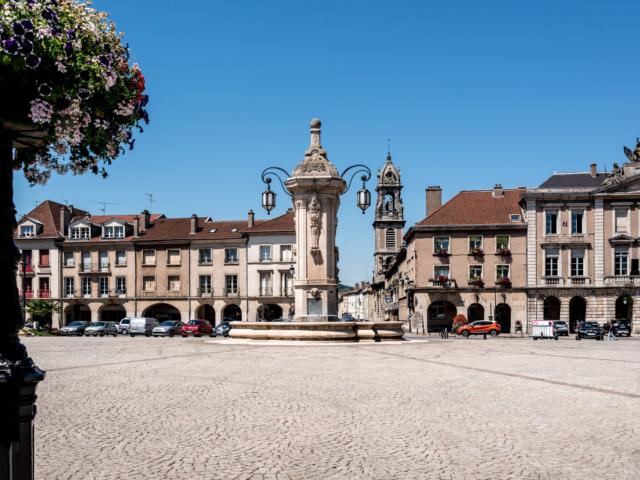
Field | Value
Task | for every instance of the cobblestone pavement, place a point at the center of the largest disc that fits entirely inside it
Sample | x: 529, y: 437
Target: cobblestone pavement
x: 173, y: 408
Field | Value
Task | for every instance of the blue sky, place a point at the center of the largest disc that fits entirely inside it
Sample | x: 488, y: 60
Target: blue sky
x: 470, y: 93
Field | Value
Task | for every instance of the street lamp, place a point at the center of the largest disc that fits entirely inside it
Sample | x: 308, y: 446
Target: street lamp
x: 268, y: 198
x: 364, y: 196
x: 292, y: 271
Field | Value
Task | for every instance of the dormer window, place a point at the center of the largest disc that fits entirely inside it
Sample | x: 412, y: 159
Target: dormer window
x: 80, y: 233
x: 114, y: 231
x: 27, y: 231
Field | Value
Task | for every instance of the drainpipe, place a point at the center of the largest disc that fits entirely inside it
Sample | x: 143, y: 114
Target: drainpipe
x: 246, y: 278
x: 135, y: 281
x: 189, y: 276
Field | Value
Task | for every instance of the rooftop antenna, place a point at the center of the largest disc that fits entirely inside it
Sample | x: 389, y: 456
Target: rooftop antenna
x: 388, y: 146
x: 35, y: 203
x: 104, y: 205
x: 151, y: 201
x: 66, y: 201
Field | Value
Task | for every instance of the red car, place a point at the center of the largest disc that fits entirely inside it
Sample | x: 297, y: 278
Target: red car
x: 197, y: 328
x: 479, y: 327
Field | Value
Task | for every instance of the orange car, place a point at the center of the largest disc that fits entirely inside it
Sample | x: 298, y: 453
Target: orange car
x: 479, y: 327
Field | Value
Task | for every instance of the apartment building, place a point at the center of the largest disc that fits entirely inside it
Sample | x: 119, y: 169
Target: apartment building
x: 110, y: 266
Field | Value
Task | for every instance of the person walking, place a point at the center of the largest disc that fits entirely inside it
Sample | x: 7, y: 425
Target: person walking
x: 611, y: 334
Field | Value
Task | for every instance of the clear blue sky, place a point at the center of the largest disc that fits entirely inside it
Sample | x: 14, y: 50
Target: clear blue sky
x: 471, y: 93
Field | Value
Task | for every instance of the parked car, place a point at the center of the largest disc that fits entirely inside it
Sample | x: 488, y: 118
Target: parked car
x: 124, y: 326
x: 142, y: 326
x: 74, y: 328
x: 101, y: 328
x: 347, y: 317
x: 561, y: 328
x: 197, y: 328
x: 621, y: 327
x: 480, y: 327
x: 222, y: 328
x: 168, y: 328
x: 589, y: 330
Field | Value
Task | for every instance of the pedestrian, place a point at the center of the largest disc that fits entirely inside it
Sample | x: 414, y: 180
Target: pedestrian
x: 611, y: 334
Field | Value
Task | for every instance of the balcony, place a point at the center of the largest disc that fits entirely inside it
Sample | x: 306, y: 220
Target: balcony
x: 149, y: 293
x: 231, y: 261
x: 578, y: 281
x: 266, y: 292
x: 173, y: 293
x: 504, y: 282
x: 442, y: 282
x: 476, y: 282
x: 552, y: 281
x: 95, y: 268
x: 28, y: 294
x: 44, y: 293
x: 391, y: 306
x: 231, y: 292
x: 26, y: 269
x: 288, y: 292
x: 623, y: 280
x: 204, y: 292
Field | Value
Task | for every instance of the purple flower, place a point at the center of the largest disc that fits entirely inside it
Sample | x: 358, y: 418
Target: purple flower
x: 32, y: 61
x: 85, y: 75
x: 68, y: 49
x: 18, y: 29
x: 29, y: 36
x: 45, y: 90
x: 71, y: 34
x: 27, y: 25
x: 104, y: 60
x: 27, y: 47
x: 83, y: 93
x: 10, y: 46
x: 50, y: 15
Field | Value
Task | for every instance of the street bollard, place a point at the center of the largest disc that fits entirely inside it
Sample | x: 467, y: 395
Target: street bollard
x: 484, y: 335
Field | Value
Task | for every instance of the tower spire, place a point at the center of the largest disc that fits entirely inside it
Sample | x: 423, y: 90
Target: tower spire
x: 315, y: 125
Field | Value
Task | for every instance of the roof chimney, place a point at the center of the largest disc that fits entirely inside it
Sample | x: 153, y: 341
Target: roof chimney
x: 497, y: 191
x: 136, y: 226
x: 250, y: 219
x: 434, y: 198
x: 146, y: 217
x: 593, y: 170
x: 65, y: 215
x: 194, y: 224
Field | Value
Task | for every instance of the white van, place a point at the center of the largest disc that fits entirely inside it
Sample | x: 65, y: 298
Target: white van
x: 142, y: 326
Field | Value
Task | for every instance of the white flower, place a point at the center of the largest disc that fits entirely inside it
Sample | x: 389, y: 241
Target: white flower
x: 41, y: 111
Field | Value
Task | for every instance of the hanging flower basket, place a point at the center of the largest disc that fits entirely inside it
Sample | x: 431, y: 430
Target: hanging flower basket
x: 441, y: 252
x: 476, y: 282
x: 504, y: 251
x: 72, y: 97
x: 476, y: 252
x: 504, y: 282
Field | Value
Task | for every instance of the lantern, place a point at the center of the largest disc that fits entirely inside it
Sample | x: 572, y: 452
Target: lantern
x: 268, y: 198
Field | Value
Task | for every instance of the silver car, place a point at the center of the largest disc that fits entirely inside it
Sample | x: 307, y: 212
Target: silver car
x: 168, y: 328
x: 74, y: 328
x: 101, y: 328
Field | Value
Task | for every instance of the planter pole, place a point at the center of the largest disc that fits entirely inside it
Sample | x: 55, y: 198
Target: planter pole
x: 19, y: 376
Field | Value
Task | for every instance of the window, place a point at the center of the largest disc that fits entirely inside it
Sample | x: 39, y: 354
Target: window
x: 114, y: 231
x: 68, y: 260
x: 286, y: 284
x: 577, y: 219
x: 173, y: 256
x: 205, y: 284
x: 26, y: 259
x: 475, y: 272
x: 515, y: 217
x: 621, y: 220
x: 121, y: 285
x: 502, y: 272
x: 390, y: 238
x: 69, y: 288
x: 148, y: 283
x: 265, y: 253
x: 551, y: 222
x: 266, y: 284
x: 148, y: 257
x: 551, y: 262
x: 86, y: 287
x: 121, y: 258
x: 231, y: 283
x: 173, y: 282
x: 475, y: 243
x: 441, y: 244
x: 441, y: 271
x: 231, y: 255
x: 44, y: 288
x: 26, y: 231
x: 577, y: 262
x: 103, y: 283
x: 80, y: 233
x: 86, y: 261
x: 286, y: 253
x: 621, y: 261
x: 502, y: 242
x: 44, y: 258
x: 104, y: 260
x: 204, y: 256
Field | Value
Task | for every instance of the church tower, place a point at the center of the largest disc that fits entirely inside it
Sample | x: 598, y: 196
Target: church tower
x: 389, y: 218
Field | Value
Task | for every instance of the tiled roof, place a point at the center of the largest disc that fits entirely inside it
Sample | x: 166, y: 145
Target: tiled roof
x: 48, y: 213
x: 283, y: 223
x: 574, y: 180
x: 100, y: 219
x: 477, y: 207
x: 180, y: 229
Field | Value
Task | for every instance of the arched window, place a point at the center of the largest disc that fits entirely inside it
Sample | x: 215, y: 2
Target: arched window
x: 390, y: 238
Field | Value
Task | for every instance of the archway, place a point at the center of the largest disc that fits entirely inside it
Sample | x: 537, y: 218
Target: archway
x: 206, y: 312
x: 112, y: 313
x: 624, y: 308
x: 503, y: 317
x: 269, y: 312
x: 162, y: 312
x: 551, y: 310
x: 577, y: 312
x: 475, y: 312
x: 440, y: 316
x: 232, y: 313
x: 77, y: 311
